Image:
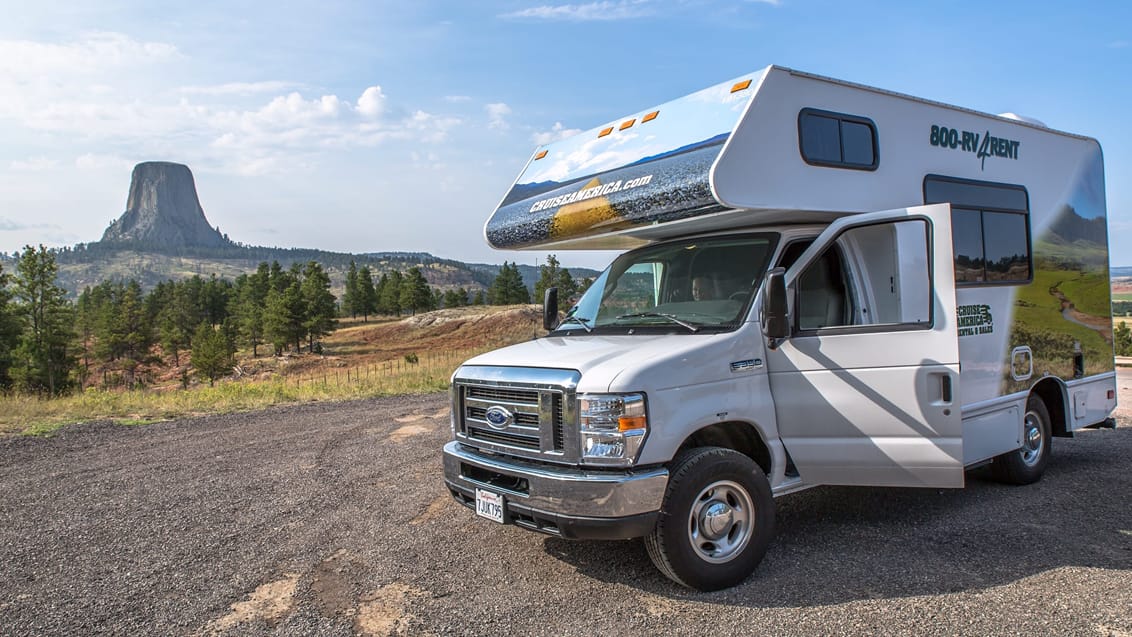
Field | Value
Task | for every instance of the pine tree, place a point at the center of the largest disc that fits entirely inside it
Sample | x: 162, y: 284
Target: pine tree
x: 1122, y: 337
x: 549, y: 276
x: 367, y: 293
x: 10, y: 329
x: 415, y: 293
x: 211, y: 356
x: 43, y: 361
x: 390, y: 301
x: 352, y: 298
x: 508, y: 288
x: 318, y: 320
x: 283, y: 318
x: 251, y: 299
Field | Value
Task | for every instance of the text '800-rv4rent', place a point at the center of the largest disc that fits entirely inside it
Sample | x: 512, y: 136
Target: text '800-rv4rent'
x: 824, y: 284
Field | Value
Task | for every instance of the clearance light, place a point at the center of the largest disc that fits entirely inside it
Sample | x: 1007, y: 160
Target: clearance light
x: 605, y: 131
x: 627, y: 124
x: 650, y: 117
x: 740, y: 86
x: 540, y: 155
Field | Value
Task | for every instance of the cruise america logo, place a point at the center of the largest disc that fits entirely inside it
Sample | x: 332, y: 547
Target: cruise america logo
x: 983, y: 145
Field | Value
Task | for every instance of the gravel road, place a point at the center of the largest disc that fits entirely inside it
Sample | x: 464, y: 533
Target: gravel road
x: 332, y: 519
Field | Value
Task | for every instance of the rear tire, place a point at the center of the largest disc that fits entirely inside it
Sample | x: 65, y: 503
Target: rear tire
x: 716, y: 521
x: 1027, y: 464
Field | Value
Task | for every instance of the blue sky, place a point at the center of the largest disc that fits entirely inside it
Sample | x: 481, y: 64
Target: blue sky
x: 376, y: 126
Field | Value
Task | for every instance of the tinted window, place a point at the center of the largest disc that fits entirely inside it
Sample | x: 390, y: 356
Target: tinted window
x: 820, y: 139
x: 1006, y: 251
x: 989, y: 227
x: 857, y: 143
x: 837, y: 140
x: 967, y: 235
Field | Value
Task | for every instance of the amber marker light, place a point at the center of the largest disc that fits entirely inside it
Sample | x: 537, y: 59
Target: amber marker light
x: 605, y: 131
x: 540, y: 155
x: 650, y: 117
x: 740, y: 86
x: 627, y: 124
x: 629, y: 423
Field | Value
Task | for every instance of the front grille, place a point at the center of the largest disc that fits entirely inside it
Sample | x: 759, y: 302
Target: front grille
x: 540, y: 412
x: 499, y: 393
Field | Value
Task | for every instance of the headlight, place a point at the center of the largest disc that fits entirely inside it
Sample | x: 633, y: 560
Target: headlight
x: 613, y: 427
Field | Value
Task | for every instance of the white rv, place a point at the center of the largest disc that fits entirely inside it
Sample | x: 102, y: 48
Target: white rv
x: 825, y: 284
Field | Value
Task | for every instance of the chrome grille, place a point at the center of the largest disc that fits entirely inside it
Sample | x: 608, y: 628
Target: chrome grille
x: 540, y: 401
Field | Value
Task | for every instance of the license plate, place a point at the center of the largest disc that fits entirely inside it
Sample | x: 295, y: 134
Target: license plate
x: 489, y: 505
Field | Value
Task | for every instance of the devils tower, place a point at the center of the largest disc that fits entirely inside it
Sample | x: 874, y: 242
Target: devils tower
x: 163, y: 211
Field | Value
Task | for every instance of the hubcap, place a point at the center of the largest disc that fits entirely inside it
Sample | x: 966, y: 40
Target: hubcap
x: 1032, y: 443
x: 721, y: 521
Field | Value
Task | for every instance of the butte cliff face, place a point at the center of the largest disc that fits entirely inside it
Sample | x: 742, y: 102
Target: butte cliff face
x: 163, y: 211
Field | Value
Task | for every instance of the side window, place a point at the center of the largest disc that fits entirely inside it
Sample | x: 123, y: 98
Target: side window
x: 837, y: 140
x: 823, y: 295
x: 875, y: 275
x: 989, y: 227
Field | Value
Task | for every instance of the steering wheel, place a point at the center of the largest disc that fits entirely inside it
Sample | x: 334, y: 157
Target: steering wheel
x: 740, y: 296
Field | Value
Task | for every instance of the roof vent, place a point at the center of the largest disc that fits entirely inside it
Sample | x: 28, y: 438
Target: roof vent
x: 1023, y: 118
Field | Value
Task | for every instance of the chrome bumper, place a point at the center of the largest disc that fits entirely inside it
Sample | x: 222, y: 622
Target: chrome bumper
x: 564, y: 501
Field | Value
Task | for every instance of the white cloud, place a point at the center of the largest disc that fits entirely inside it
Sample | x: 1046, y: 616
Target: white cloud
x: 592, y: 11
x: 239, y: 88
x: 7, y: 225
x: 95, y: 161
x: 497, y: 115
x: 33, y: 164
x: 92, y: 94
x: 93, y: 52
x: 456, y: 99
x: 556, y: 132
x: 372, y: 102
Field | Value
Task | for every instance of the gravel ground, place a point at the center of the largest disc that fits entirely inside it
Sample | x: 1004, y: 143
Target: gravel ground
x: 332, y: 519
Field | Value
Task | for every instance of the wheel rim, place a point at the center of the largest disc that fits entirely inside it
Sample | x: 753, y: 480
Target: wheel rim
x: 721, y: 521
x: 1033, y: 443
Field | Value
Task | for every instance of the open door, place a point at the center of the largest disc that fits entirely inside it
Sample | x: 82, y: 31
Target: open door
x: 866, y: 385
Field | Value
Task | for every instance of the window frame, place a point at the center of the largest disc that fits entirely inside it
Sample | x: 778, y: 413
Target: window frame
x: 981, y: 209
x: 840, y: 117
x: 869, y: 328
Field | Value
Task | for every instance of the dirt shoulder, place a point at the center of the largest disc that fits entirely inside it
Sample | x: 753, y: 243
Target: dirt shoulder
x: 332, y: 519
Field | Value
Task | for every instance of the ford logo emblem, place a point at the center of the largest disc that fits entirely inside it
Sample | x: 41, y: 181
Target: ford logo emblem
x: 498, y: 417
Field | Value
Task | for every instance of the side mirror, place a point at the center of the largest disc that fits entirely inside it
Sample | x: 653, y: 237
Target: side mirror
x: 775, y: 315
x: 550, y: 309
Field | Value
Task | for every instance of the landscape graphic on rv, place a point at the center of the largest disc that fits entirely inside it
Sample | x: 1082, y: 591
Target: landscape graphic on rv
x: 1068, y: 302
x: 645, y: 168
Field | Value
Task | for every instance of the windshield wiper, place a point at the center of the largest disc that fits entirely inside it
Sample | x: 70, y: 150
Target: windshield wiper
x: 585, y: 323
x: 670, y: 317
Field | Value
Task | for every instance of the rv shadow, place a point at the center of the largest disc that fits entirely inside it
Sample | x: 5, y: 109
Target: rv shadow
x: 841, y: 544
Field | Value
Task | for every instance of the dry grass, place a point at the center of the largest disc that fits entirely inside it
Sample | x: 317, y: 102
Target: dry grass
x: 360, y: 360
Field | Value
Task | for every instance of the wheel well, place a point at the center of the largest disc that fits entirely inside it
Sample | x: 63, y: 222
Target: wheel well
x: 739, y: 436
x: 1052, y: 393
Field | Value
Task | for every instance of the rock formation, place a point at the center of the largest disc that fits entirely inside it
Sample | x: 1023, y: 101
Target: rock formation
x: 163, y: 211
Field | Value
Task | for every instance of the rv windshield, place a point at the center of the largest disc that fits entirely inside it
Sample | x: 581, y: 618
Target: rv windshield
x: 681, y: 286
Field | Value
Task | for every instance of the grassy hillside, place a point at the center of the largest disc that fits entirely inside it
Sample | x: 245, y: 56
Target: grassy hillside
x: 393, y: 356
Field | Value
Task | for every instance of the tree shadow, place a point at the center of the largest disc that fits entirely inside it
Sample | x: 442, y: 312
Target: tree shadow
x: 840, y: 544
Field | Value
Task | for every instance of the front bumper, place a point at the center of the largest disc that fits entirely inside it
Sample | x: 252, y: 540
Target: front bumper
x: 564, y: 501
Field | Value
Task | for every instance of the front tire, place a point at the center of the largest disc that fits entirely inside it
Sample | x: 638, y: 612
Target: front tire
x: 716, y: 521
x: 1027, y: 464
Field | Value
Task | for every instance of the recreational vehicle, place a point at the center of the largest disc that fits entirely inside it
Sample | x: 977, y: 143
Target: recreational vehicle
x: 824, y: 284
